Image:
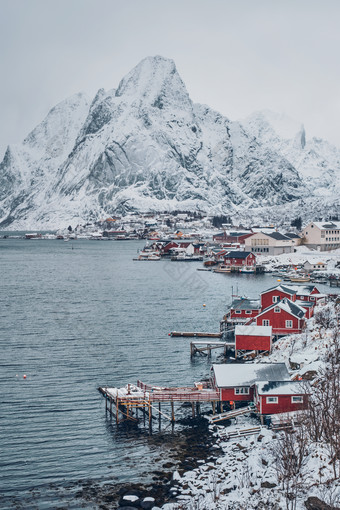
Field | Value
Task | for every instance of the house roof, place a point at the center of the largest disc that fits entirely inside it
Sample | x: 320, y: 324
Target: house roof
x: 253, y: 330
x: 278, y: 236
x: 292, y: 235
x: 288, y: 306
x: 230, y: 375
x: 282, y: 288
x: 245, y: 304
x: 238, y: 254
x: 303, y: 290
x: 323, y: 225
x: 279, y: 388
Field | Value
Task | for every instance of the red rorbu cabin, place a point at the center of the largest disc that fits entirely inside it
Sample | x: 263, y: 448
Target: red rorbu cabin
x: 253, y: 338
x: 285, y: 317
x: 239, y: 259
x: 276, y: 294
x: 273, y: 397
x: 236, y: 381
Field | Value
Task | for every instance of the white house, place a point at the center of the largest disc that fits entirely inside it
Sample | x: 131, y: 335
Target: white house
x: 322, y: 235
x: 271, y: 244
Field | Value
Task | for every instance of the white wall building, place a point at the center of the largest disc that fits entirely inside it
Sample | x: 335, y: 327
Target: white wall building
x: 322, y: 235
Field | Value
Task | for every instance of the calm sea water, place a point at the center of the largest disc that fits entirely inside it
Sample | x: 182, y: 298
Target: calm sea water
x: 82, y: 314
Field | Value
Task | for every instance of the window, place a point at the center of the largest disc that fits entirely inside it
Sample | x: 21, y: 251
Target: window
x: 277, y: 309
x: 312, y: 298
x: 297, y: 400
x: 276, y: 299
x: 237, y: 311
x: 272, y: 400
x: 289, y: 324
x: 265, y: 322
x: 248, y: 311
x: 241, y: 391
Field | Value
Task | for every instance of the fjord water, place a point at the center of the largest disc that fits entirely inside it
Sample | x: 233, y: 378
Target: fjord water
x: 82, y: 314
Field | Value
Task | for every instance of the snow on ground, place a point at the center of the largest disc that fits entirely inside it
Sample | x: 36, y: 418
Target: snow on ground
x: 300, y: 256
x: 245, y: 475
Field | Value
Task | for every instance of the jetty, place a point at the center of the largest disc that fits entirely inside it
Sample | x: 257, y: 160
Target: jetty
x: 205, y: 347
x: 195, y: 334
x: 124, y: 403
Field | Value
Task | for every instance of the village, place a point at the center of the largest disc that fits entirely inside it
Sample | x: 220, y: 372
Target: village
x: 259, y: 407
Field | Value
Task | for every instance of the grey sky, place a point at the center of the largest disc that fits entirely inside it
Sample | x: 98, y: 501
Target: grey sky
x: 237, y: 56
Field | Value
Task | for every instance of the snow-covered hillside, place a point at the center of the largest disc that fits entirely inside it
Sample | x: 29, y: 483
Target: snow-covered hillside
x: 145, y: 146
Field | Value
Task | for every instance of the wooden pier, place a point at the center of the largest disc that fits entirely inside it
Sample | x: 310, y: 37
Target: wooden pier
x: 193, y: 334
x: 333, y: 282
x: 124, y: 403
x: 205, y: 347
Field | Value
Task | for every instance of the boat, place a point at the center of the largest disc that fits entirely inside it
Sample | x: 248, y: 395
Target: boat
x: 300, y: 279
x: 144, y: 255
x: 223, y: 269
x: 210, y: 262
x: 185, y: 257
x: 247, y: 269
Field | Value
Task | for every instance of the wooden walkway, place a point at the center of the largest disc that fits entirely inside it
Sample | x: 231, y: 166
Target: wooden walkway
x: 124, y: 403
x: 205, y: 347
x: 232, y: 414
x: 193, y: 334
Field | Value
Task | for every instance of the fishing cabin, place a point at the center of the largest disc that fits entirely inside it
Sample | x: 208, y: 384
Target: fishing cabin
x: 274, y: 397
x: 238, y: 260
x: 285, y: 317
x: 236, y: 381
x: 253, y: 338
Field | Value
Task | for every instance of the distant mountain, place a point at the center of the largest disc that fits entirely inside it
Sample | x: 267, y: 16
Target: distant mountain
x: 145, y: 146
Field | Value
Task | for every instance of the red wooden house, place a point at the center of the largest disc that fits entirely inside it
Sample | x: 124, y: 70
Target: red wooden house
x: 275, y: 294
x: 236, y: 381
x: 240, y: 259
x: 285, y: 317
x: 242, y: 310
x: 274, y: 397
x: 308, y: 293
x: 253, y: 338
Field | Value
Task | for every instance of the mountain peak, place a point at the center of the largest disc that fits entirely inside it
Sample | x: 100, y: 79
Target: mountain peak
x: 155, y: 80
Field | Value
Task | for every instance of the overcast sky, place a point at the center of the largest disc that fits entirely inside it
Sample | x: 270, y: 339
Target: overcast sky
x: 237, y: 56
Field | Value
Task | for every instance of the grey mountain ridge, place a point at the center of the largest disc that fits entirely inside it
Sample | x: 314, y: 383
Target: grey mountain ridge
x: 146, y: 147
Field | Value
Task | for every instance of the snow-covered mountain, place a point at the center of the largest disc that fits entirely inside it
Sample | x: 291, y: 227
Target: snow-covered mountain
x: 316, y: 160
x: 145, y: 146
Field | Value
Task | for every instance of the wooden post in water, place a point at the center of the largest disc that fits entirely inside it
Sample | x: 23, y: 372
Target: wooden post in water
x: 150, y: 414
x: 117, y: 410
x: 172, y: 412
x: 111, y: 406
x: 213, y: 407
x: 193, y: 409
x: 198, y: 409
x: 106, y: 403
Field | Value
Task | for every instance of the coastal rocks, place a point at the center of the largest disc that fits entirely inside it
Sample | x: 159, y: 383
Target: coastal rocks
x: 314, y: 503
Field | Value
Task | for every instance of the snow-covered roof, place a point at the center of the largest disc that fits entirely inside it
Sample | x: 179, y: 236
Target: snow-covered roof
x: 253, y: 330
x: 303, y: 290
x: 282, y: 288
x: 324, y: 225
x: 288, y: 306
x: 279, y: 388
x: 239, y: 374
x: 245, y: 304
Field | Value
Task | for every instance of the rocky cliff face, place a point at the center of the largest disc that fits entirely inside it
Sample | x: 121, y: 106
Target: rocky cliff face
x: 145, y: 146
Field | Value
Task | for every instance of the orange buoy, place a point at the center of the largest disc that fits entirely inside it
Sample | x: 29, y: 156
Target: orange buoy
x: 25, y: 376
